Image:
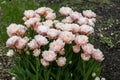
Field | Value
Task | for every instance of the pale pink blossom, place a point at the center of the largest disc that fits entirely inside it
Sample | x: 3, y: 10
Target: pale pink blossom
x: 44, y: 62
x: 25, y: 18
x: 48, y: 23
x: 76, y: 49
x: 61, y: 61
x: 41, y: 11
x: 14, y: 29
x: 21, y: 43
x: 89, y: 14
x: 98, y: 55
x: 85, y: 56
x: 88, y: 48
x: 49, y: 55
x: 67, y: 36
x: 48, y: 10
x: 82, y: 21
x: 29, y: 13
x: 67, y: 20
x: 75, y: 15
x: 12, y: 41
x: 42, y: 29
x: 44, y: 10
x: 36, y: 52
x: 56, y: 45
x: 56, y: 21
x: 36, y: 25
x: 91, y: 23
x: 86, y: 29
x: 62, y: 51
x: 65, y: 11
x: 50, y: 16
x: 64, y: 27
x: 59, y: 25
x: 22, y: 30
x: 32, y: 21
x: 41, y: 40
x: 93, y: 19
x: 81, y: 39
x: 33, y: 44
x: 53, y: 33
x: 26, y: 38
x: 75, y: 28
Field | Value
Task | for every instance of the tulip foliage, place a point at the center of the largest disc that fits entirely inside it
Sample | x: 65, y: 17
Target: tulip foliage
x: 46, y: 48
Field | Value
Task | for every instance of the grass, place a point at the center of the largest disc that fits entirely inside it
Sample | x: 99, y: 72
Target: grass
x: 12, y: 12
x: 100, y: 1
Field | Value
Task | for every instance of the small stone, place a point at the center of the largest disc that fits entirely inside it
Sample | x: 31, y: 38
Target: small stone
x: 1, y: 67
x: 1, y: 55
x: 112, y: 34
x: 97, y: 78
x: 101, y: 29
x: 13, y: 78
x: 105, y: 28
x: 93, y: 74
x: 10, y: 53
x: 0, y: 63
x: 101, y: 35
x: 110, y: 26
x: 103, y: 79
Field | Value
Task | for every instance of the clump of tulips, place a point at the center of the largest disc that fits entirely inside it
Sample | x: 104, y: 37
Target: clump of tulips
x: 46, y: 48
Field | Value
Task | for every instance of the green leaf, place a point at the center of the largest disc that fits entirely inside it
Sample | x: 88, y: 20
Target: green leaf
x: 30, y: 75
x: 106, y: 40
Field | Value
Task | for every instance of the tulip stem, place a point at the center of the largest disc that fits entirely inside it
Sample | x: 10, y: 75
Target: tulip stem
x: 37, y: 67
x: 84, y: 71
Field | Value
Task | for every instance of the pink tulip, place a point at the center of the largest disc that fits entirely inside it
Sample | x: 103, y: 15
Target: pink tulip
x: 65, y: 11
x: 12, y: 41
x: 49, y: 55
x: 85, y: 56
x: 89, y: 14
x: 67, y: 36
x: 36, y: 52
x: 57, y: 45
x: 98, y: 55
x: 81, y: 40
x: 61, y: 61
x: 44, y: 62
x: 33, y: 44
x: 76, y: 49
